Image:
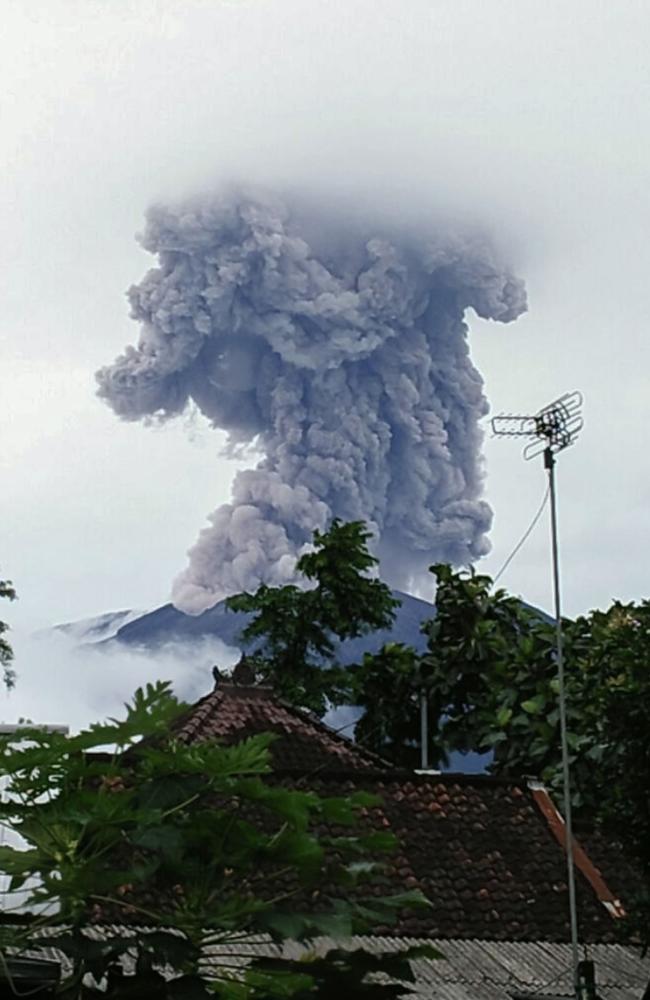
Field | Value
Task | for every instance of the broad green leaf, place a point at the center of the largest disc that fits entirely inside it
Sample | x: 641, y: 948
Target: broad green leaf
x: 534, y: 706
x: 504, y: 716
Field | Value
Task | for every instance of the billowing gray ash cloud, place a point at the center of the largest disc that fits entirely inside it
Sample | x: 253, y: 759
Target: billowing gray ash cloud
x: 341, y: 352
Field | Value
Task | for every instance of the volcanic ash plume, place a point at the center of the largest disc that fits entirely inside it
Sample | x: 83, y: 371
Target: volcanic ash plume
x: 341, y: 353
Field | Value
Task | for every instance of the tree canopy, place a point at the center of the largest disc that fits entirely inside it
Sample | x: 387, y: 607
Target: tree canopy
x: 296, y: 629
x: 6, y: 652
x: 486, y: 654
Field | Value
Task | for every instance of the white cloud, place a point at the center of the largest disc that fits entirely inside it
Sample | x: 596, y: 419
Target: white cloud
x: 62, y: 682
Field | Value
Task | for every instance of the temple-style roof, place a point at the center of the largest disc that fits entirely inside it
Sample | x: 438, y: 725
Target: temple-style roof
x: 237, y: 707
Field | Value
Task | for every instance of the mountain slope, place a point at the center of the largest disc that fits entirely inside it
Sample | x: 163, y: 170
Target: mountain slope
x: 167, y: 625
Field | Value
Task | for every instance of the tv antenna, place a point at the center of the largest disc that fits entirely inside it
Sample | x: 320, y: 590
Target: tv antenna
x: 551, y: 430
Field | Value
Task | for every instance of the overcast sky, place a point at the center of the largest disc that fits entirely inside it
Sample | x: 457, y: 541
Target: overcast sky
x: 532, y: 119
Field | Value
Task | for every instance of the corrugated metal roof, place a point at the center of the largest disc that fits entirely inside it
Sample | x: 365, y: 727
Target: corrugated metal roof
x: 470, y: 969
x: 490, y: 970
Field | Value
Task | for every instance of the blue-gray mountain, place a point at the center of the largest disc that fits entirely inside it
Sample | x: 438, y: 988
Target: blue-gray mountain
x: 167, y: 625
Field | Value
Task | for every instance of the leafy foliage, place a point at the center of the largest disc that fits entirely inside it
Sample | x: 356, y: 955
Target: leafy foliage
x: 481, y: 647
x: 6, y: 652
x: 299, y: 627
x: 610, y: 658
x: 180, y: 852
x: 388, y: 686
x: 490, y: 675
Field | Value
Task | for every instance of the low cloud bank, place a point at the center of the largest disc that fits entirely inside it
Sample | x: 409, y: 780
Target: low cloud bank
x: 60, y: 681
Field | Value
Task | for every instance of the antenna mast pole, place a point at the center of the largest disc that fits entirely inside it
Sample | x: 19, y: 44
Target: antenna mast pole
x: 549, y: 464
x: 554, y: 428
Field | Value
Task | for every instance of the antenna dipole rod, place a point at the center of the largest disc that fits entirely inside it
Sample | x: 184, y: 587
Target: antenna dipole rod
x: 549, y: 465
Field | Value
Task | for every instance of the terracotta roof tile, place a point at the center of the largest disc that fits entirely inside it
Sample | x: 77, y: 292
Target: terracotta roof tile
x: 232, y: 711
x: 479, y: 847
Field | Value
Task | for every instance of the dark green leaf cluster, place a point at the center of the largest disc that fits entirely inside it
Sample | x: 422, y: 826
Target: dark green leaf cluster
x: 480, y: 645
x: 179, y: 852
x: 490, y: 676
x: 388, y: 685
x: 299, y: 628
x: 610, y: 687
x: 6, y: 652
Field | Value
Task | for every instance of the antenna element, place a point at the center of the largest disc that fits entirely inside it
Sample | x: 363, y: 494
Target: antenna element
x: 556, y: 426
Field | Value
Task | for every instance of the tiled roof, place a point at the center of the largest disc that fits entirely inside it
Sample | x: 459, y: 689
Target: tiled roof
x: 482, y: 852
x: 480, y: 848
x: 610, y: 859
x: 233, y: 711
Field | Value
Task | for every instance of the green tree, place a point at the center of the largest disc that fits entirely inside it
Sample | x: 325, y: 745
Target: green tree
x: 480, y: 646
x: 388, y: 687
x: 490, y: 675
x: 295, y: 630
x: 6, y: 652
x: 179, y: 852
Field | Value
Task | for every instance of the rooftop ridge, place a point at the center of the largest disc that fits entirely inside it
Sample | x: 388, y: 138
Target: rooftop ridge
x: 336, y: 734
x: 234, y: 709
x: 405, y: 774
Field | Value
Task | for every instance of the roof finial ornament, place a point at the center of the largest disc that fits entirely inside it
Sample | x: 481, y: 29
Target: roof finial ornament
x: 216, y: 673
x: 244, y: 673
